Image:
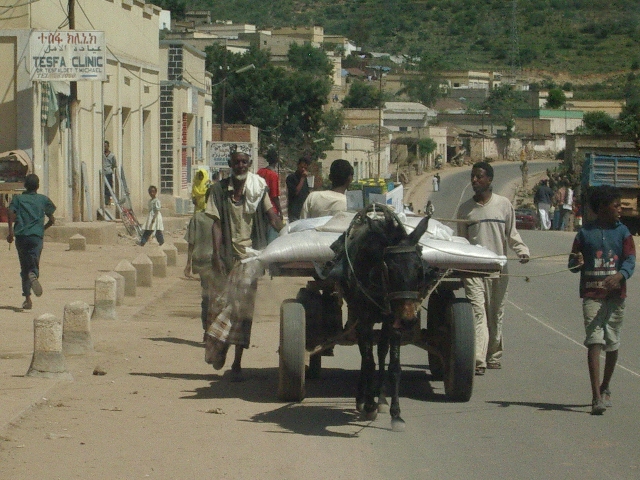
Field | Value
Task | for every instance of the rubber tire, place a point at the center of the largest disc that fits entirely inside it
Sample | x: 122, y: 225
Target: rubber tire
x: 291, y: 384
x: 460, y: 369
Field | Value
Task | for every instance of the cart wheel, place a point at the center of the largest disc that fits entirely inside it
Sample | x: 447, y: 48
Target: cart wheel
x: 292, y: 351
x: 436, y: 321
x: 315, y: 366
x: 460, y: 368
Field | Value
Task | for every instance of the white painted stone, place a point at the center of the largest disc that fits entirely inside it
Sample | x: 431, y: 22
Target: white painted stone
x: 120, y: 281
x: 172, y: 254
x: 181, y: 245
x: 159, y: 261
x: 129, y: 273
x: 48, y: 360
x: 144, y: 270
x: 76, y: 329
x: 105, y: 298
x: 77, y: 242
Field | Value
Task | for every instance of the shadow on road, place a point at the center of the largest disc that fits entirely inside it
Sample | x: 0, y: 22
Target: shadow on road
x: 546, y: 407
x: 12, y: 308
x: 179, y: 341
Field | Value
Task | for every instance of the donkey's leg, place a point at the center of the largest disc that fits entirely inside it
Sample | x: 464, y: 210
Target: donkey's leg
x: 365, y: 401
x: 383, y: 350
x: 397, y: 424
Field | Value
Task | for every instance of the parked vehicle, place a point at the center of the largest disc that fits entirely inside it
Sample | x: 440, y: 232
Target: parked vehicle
x: 526, y: 219
x: 619, y: 171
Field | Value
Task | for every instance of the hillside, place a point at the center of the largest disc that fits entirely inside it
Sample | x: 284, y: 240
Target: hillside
x: 576, y: 38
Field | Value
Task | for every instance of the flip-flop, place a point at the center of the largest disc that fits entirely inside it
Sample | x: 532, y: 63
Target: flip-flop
x: 480, y: 370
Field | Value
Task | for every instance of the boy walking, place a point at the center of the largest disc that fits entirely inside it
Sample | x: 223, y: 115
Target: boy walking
x: 604, y: 253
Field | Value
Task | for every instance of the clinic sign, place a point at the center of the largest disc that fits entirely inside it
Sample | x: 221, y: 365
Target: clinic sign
x: 68, y: 56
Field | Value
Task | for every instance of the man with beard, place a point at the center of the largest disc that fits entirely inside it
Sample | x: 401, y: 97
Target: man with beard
x: 490, y: 221
x: 241, y: 211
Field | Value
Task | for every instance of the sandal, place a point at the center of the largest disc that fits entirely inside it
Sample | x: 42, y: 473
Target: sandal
x: 597, y: 407
x: 27, y: 305
x: 480, y: 370
x: 606, y: 397
x: 494, y: 365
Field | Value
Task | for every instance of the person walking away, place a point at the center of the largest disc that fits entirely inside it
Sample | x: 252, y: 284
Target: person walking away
x: 604, y: 253
x: 543, y: 199
x: 199, y: 189
x: 434, y: 183
x: 438, y: 178
x: 271, y: 177
x: 241, y: 211
x: 330, y: 202
x: 298, y: 189
x: 490, y: 221
x: 199, y: 251
x: 154, y: 219
x: 108, y: 167
x: 567, y: 210
x: 26, y: 225
x: 558, y: 201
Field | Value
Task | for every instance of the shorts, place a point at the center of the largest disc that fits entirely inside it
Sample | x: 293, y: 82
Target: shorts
x: 603, y: 322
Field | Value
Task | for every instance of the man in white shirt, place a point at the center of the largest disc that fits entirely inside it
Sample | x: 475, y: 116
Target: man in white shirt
x: 329, y: 202
x: 490, y: 222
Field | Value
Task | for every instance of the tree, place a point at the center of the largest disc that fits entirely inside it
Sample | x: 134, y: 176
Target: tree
x: 306, y: 58
x: 556, y: 98
x: 178, y: 8
x: 425, y: 86
x: 597, y: 123
x: 363, y: 95
x: 502, y: 103
x: 629, y: 119
x: 286, y: 105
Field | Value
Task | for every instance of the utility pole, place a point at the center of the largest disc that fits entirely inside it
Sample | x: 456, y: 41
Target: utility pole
x: 73, y: 118
x: 224, y: 90
x: 379, y: 122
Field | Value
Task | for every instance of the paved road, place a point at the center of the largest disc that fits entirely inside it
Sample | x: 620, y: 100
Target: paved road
x: 151, y: 415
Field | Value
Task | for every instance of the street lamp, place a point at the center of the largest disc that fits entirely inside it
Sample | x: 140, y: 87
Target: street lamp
x: 224, y: 93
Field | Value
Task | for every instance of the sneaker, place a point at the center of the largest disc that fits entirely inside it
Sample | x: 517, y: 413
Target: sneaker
x: 27, y: 305
x: 35, y: 284
x: 606, y: 397
x: 597, y: 407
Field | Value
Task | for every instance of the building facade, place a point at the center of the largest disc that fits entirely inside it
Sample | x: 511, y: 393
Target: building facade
x: 123, y: 109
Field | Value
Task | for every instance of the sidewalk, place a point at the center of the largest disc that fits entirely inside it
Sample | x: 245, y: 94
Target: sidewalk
x: 66, y: 276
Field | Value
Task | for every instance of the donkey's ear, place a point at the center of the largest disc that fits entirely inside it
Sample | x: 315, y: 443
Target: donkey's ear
x: 414, y: 236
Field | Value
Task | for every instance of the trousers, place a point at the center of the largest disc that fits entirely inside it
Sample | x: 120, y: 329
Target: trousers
x: 487, y: 297
x: 29, y: 248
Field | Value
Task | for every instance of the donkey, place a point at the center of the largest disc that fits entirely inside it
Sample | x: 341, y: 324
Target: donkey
x: 383, y: 279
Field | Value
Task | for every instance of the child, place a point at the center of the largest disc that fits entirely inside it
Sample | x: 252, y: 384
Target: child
x: 604, y: 253
x: 154, y: 219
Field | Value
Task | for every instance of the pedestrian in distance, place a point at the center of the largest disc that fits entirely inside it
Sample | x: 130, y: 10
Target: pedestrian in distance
x: 490, y: 221
x: 604, y: 253
x: 298, y: 189
x: 199, y: 189
x: 241, y: 211
x: 270, y: 175
x: 543, y: 199
x: 438, y: 178
x: 108, y: 167
x: 434, y: 183
x: 154, y: 219
x: 26, y: 225
x: 567, y: 210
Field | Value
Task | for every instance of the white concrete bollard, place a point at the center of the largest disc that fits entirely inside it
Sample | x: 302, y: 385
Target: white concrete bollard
x: 129, y: 273
x: 144, y: 270
x: 172, y: 254
x: 48, y: 360
x: 159, y: 261
x: 119, y: 286
x: 77, y: 242
x: 181, y: 245
x: 76, y: 329
x: 104, y: 307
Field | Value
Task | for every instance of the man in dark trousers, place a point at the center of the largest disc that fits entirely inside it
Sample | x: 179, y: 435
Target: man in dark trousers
x: 298, y: 189
x: 26, y: 225
x: 543, y: 199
